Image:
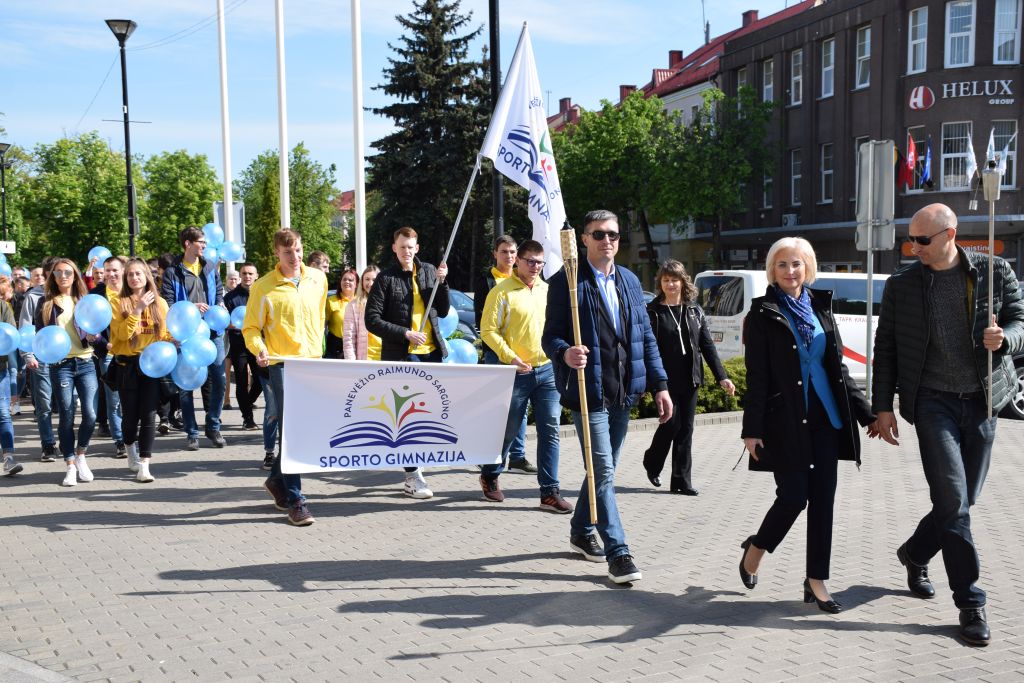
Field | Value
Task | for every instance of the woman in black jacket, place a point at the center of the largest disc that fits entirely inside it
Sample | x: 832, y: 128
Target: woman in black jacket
x: 799, y: 411
x: 683, y: 340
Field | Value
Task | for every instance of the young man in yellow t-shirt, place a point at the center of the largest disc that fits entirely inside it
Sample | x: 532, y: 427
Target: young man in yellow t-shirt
x: 395, y: 310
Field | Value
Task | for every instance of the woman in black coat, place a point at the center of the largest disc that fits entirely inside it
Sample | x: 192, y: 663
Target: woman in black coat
x: 683, y: 341
x: 799, y: 412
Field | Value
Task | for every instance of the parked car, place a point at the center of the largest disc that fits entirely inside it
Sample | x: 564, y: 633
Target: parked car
x: 467, y: 318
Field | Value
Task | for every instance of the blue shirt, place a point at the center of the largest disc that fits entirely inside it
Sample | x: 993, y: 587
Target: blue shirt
x: 606, y: 286
x: 812, y: 369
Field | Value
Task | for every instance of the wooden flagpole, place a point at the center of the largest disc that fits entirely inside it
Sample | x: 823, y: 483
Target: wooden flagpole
x: 571, y: 262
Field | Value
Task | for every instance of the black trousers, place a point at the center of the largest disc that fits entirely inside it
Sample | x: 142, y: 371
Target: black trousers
x: 140, y: 398
x: 335, y: 347
x: 813, y: 488
x: 246, y: 369
x: 675, y: 435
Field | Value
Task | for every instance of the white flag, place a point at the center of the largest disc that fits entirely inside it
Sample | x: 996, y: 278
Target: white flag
x: 972, y: 162
x: 990, y: 151
x: 519, y: 144
x: 1002, y: 159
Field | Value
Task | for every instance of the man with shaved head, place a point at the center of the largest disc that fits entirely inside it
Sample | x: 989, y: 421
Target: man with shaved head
x: 934, y: 334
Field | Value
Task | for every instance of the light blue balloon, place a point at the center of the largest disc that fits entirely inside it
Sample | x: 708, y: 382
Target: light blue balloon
x: 449, y: 323
x: 211, y: 254
x: 93, y: 313
x: 463, y: 351
x: 231, y: 251
x: 218, y: 318
x: 202, y: 331
x: 188, y: 377
x: 238, y: 317
x: 214, y: 235
x: 100, y: 254
x: 158, y: 359
x: 198, y: 352
x: 5, y: 269
x: 9, y: 338
x: 183, y: 319
x: 51, y: 344
x: 26, y: 334
x: 3, y: 258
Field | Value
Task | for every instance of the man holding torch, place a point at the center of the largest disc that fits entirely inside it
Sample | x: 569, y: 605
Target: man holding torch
x: 599, y: 328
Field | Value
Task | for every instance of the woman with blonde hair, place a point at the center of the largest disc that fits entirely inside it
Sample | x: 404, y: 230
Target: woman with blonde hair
x: 800, y: 412
x: 140, y: 321
x: 63, y: 289
x: 336, y: 307
x: 359, y: 343
x: 684, y: 341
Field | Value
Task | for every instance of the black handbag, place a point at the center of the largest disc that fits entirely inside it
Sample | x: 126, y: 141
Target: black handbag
x: 112, y: 376
x: 766, y: 460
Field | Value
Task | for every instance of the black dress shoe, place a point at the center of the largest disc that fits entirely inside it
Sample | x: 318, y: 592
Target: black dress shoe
x: 917, y: 575
x: 974, y: 626
x: 685, y: 490
x: 830, y: 606
x: 749, y: 580
x: 654, y: 479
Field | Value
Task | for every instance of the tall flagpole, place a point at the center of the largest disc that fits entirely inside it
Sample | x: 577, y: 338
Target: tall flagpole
x: 990, y: 180
x: 357, y: 120
x: 282, y: 118
x: 225, y: 130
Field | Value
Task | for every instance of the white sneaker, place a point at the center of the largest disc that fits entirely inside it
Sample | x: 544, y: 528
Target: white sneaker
x: 84, y: 473
x: 133, y: 457
x: 71, y: 476
x: 416, y: 486
x: 16, y: 409
x: 144, y: 476
x: 10, y: 466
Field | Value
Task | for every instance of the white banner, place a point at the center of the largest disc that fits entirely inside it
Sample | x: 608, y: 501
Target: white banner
x: 362, y: 415
x: 519, y: 143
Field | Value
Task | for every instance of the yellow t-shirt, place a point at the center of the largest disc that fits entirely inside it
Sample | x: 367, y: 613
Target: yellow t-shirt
x: 123, y: 327
x: 419, y: 308
x: 372, y: 346
x: 192, y: 267
x: 498, y: 275
x: 336, y: 315
x: 67, y: 321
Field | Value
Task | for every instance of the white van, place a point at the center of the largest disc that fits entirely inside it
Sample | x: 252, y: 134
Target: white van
x: 725, y: 296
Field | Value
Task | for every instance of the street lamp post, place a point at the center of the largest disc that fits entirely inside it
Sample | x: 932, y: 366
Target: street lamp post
x: 122, y: 30
x: 4, y: 146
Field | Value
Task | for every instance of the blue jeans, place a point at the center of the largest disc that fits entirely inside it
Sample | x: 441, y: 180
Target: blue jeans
x: 113, y: 403
x: 955, y: 436
x: 292, y: 482
x: 67, y: 376
x: 6, y: 425
x: 218, y: 385
x: 538, y: 388
x: 607, y: 432
x: 517, y: 451
x: 42, y: 401
x: 269, y: 416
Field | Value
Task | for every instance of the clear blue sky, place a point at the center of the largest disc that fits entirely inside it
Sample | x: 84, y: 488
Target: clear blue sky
x: 55, y: 55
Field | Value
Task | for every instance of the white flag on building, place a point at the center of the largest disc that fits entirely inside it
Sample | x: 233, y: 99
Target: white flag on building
x: 519, y: 144
x: 972, y: 162
x: 1006, y: 152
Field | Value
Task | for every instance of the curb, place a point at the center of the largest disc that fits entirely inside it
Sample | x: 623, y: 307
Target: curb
x: 16, y: 670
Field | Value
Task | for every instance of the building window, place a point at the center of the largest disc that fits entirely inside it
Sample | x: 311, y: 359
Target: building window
x: 794, y: 176
x: 694, y: 112
x: 828, y: 67
x: 917, y: 50
x: 862, y: 78
x: 920, y: 138
x: 741, y: 79
x: 767, y: 191
x: 1007, y: 36
x: 959, y: 33
x: 826, y: 173
x: 857, y: 142
x: 1006, y: 131
x: 955, y: 141
x: 796, y: 77
x: 768, y: 80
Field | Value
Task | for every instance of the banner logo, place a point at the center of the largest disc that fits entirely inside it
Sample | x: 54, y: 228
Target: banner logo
x: 408, y: 419
x: 921, y: 97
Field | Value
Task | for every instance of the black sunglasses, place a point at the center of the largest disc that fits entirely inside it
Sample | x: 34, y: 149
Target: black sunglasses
x: 924, y: 240
x: 599, y: 235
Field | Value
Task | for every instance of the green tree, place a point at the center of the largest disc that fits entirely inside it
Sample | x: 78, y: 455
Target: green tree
x: 611, y: 159
x: 17, y: 179
x: 311, y: 189
x: 75, y: 198
x: 180, y: 191
x: 713, y: 161
x: 440, y: 111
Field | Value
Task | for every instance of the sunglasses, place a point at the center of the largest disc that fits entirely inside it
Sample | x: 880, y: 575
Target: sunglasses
x: 534, y: 263
x: 599, y: 235
x: 924, y: 240
x: 60, y: 272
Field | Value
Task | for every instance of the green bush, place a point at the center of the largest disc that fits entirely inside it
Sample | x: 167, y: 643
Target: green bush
x: 711, y: 398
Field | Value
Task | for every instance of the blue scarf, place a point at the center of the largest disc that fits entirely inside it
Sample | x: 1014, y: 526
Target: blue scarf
x: 800, y: 312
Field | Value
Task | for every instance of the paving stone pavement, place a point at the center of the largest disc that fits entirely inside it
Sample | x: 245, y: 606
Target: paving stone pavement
x: 197, y: 577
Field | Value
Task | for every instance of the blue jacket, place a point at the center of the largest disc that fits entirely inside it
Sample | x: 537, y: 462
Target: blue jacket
x: 179, y: 284
x: 644, y: 370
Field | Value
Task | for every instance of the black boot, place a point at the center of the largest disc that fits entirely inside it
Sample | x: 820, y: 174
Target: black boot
x: 917, y: 575
x: 974, y: 626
